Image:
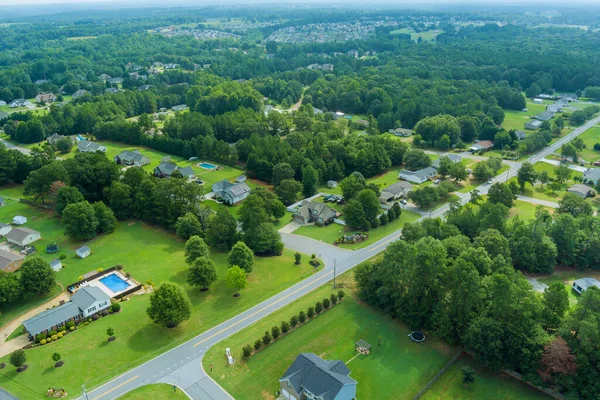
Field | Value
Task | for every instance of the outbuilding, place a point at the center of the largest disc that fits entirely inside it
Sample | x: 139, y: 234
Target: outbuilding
x: 83, y: 252
x: 19, y: 220
x: 581, y: 285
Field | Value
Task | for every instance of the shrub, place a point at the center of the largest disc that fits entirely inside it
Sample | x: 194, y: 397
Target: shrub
x: 285, y: 326
x: 326, y: 303
x: 100, y: 269
x: 62, y: 256
x: 95, y: 317
x: 297, y: 257
x: 62, y: 328
x: 40, y: 336
x: 311, y: 312
x: 72, y: 328
x: 43, y: 341
x: 59, y: 335
x: 267, y: 338
x: 86, y: 323
x: 52, y: 332
x: 103, y: 313
x: 119, y: 267
x: 318, y: 307
x: 333, y: 299
x: 341, y: 294
x: 294, y: 321
x: 89, y: 320
x: 59, y: 364
x: 247, y: 350
x: 18, y: 358
x: 70, y: 324
x: 276, y: 332
x: 115, y: 307
x: 314, y: 263
x: 56, y: 357
x: 257, y: 344
x: 54, y: 337
x: 313, y: 256
x: 302, y: 317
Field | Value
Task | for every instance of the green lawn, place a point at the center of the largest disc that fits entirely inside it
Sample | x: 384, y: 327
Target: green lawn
x: 427, y: 36
x: 159, y: 391
x: 148, y: 253
x: 404, y: 366
x: 543, y: 193
x: 517, y: 119
x: 16, y: 333
x: 567, y: 276
x: 330, y: 233
x: 525, y: 210
x: 590, y: 137
x: 488, y: 385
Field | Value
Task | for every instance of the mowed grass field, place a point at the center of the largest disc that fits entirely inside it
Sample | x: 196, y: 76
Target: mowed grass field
x: 488, y: 385
x: 426, y: 36
x: 590, y: 138
x: 543, y: 193
x: 159, y: 391
x: 148, y: 253
x: 525, y: 210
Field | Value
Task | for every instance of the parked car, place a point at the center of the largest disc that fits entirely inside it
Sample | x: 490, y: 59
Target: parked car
x: 402, y: 201
x: 199, y: 181
x: 490, y: 181
x: 597, y: 163
x: 437, y: 181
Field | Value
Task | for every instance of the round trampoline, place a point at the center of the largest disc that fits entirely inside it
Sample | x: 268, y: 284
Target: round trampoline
x: 417, y: 336
x: 52, y: 248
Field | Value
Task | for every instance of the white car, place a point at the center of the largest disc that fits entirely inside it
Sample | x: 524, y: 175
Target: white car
x: 436, y: 181
x: 490, y: 181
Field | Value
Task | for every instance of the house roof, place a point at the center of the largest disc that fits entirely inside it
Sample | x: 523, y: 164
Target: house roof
x: 545, y: 116
x: 7, y: 258
x: 320, y: 377
x: 422, y: 173
x: 186, y: 172
x: 54, y: 262
x: 452, y: 157
x: 520, y: 135
x: 18, y: 234
x: 592, y: 174
x: 51, y: 317
x: 3, y: 115
x: 397, y: 188
x: 585, y: 283
x: 239, y: 189
x: 484, y: 144
x: 534, y: 124
x: 84, y: 145
x: 82, y: 249
x: 580, y: 188
x: 166, y: 168
x: 362, y: 343
x: 323, y: 210
x: 134, y: 155
x: 88, y: 295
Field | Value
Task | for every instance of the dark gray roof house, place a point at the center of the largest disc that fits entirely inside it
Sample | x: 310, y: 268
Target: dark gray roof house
x: 165, y: 169
x: 79, y: 93
x: 581, y: 190
x: 231, y: 193
x: 419, y: 176
x: 592, y: 176
x: 394, y: 192
x: 144, y: 87
x: 311, y: 377
x: 134, y: 157
x: 545, y: 116
x: 520, y: 135
x: 180, y: 107
x: 533, y: 124
x: 85, y: 146
x: 3, y: 115
x: 55, y: 137
x: 455, y: 158
x: 313, y: 211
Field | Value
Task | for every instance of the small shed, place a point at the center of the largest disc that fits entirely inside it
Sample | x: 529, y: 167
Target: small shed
x: 332, y: 184
x: 362, y: 347
x: 19, y: 220
x: 83, y: 252
x: 241, y: 179
x: 2, y: 202
x: 56, y: 265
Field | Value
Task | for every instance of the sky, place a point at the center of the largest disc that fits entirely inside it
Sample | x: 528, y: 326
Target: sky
x: 237, y: 2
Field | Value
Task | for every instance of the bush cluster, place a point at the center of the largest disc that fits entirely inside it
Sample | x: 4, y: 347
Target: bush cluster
x: 295, y: 320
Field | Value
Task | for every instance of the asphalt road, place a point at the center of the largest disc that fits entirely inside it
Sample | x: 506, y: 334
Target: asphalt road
x: 11, y: 146
x: 182, y: 366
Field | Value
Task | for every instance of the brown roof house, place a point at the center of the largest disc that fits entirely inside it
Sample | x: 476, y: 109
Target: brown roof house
x: 312, y: 211
x: 311, y: 377
x: 9, y: 262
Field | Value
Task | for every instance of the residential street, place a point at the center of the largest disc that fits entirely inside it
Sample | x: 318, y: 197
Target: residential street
x: 9, y: 146
x: 182, y: 366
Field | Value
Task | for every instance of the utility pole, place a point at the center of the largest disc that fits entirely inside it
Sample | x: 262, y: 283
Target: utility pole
x: 85, y: 392
x: 334, y: 267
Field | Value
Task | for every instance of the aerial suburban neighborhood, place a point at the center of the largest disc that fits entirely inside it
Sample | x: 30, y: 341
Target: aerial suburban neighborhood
x: 299, y: 201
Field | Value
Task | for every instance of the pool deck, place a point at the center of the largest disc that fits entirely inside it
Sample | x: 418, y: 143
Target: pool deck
x: 96, y: 282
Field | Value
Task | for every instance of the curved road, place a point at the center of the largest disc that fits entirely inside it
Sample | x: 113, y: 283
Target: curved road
x: 182, y: 366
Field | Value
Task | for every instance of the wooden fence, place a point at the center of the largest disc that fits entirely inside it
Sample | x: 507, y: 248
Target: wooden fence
x: 437, y: 376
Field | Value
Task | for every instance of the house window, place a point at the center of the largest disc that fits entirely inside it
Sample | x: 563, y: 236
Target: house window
x: 91, y: 309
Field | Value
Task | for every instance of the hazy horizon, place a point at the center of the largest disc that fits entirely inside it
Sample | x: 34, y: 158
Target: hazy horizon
x: 254, y: 2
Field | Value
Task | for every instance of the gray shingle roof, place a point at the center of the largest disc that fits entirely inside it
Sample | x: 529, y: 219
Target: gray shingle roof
x: 18, y: 234
x: 585, y: 283
x: 82, y: 249
x: 398, y: 188
x: 132, y: 156
x: 320, y: 377
x: 87, y: 296
x: 166, y: 168
x: 592, y: 174
x: 186, y: 172
x: 323, y: 210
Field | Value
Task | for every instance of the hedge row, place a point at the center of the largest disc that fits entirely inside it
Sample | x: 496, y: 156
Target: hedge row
x: 295, y: 321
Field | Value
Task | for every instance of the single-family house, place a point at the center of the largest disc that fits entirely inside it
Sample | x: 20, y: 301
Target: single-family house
x: 85, y: 146
x: 157, y: 64
x: 419, y: 176
x: 86, y: 302
x: 165, y: 169
x: 83, y: 252
x: 45, y: 97
x: 171, y: 66
x: 581, y: 190
x: 54, y: 138
x: 317, y: 111
x: 22, y: 236
x: 19, y: 103
x: 104, y: 77
x: 111, y: 90
x: 2, y: 103
x: 582, y: 284
x: 19, y: 220
x: 401, y: 132
x: 332, y: 184
x: 311, y: 377
x: 240, y: 179
x: 395, y: 192
x: 132, y: 158
x: 545, y: 116
x: 56, y: 265
x: 41, y: 81
x: 455, y: 158
x: 591, y: 176
x: 79, y: 93
x: 181, y: 107
x: 482, y: 145
x: 9, y: 262
x: 353, y: 53
x: 4, y: 229
x: 520, y: 135
x: 555, y: 108
x: 533, y: 124
x: 313, y: 211
x: 115, y: 81
x: 231, y: 193
x: 538, y: 101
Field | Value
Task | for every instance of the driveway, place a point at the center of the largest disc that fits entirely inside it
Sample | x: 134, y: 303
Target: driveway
x: 545, y: 203
x: 11, y: 146
x: 325, y: 251
x: 537, y: 285
x: 578, y: 168
x: 289, y: 228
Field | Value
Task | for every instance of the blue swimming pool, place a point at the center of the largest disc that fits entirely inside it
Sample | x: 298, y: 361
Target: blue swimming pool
x: 206, y: 165
x: 115, y: 283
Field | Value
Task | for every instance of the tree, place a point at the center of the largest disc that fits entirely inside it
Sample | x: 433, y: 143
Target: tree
x: 64, y: 145
x: 563, y: 173
x: 169, y: 305
x: 80, y: 221
x: 56, y: 357
x: 264, y: 239
x: 110, y: 332
x: 195, y: 248
x: 416, y: 159
x: 543, y: 177
x: 37, y: 276
x: 445, y: 166
x: 352, y: 184
x: 468, y: 375
x: 526, y: 175
x: 497, y: 114
x: 458, y: 172
x: 236, y: 279
x: 482, y: 172
x: 501, y: 193
x: 275, y: 332
x: 242, y: 256
x: 222, y: 230
x: 574, y: 205
x: 39, y: 182
x: 18, y: 358
x: 282, y: 172
x: 67, y: 195
x: 288, y: 190
x: 355, y: 215
x: 297, y: 258
x: 577, y: 118
x: 202, y: 273
x: 555, y: 304
x: 569, y: 150
x: 120, y: 199
x: 188, y: 226
x: 107, y: 222
x: 310, y: 181
x: 554, y: 186
x: 557, y: 360
x: 533, y: 90
x: 10, y: 289
x: 369, y: 202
